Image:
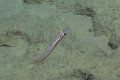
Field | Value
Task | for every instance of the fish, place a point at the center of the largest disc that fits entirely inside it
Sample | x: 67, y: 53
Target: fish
x: 58, y: 37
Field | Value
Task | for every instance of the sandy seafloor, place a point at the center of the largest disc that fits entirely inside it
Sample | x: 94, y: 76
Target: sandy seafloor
x: 28, y: 28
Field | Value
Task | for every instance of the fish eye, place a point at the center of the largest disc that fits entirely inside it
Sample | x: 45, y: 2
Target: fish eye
x: 65, y: 33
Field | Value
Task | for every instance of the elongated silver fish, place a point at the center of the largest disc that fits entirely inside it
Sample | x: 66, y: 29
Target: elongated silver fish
x: 51, y: 45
